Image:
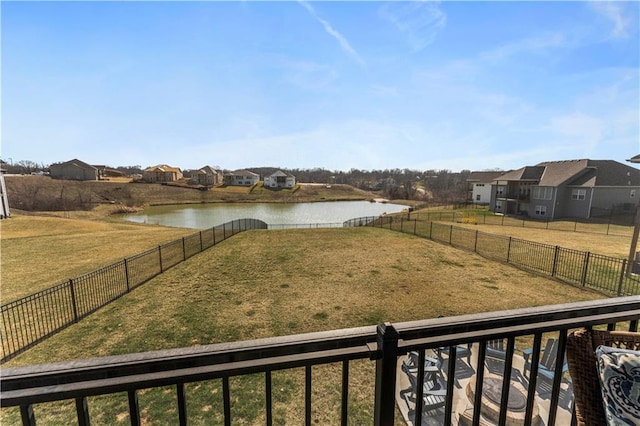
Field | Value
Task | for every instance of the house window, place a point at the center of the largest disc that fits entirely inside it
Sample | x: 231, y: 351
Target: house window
x: 478, y: 197
x: 499, y: 205
x: 541, y: 210
x: 633, y: 193
x: 479, y: 184
x: 542, y: 192
x: 578, y: 194
x: 499, y: 191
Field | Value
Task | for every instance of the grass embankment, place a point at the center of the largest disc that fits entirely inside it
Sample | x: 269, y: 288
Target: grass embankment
x: 267, y: 283
x: 38, y: 192
x: 38, y: 252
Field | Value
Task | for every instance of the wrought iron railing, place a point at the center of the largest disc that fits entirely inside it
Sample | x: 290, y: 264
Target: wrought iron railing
x: 31, y: 319
x: 602, y: 273
x: 387, y: 345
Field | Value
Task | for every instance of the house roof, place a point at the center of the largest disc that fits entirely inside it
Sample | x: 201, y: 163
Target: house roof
x: 163, y: 168
x: 583, y: 172
x: 207, y: 170
x: 484, y: 177
x: 75, y: 162
x: 280, y: 173
x: 244, y: 172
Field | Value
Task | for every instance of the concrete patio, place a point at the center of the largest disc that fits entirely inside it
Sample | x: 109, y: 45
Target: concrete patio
x: 464, y: 387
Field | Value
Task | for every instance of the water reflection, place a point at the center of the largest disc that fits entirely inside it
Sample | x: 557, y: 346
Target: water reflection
x: 201, y: 216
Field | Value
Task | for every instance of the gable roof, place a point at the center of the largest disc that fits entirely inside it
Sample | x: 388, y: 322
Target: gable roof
x: 244, y: 172
x: 484, y: 177
x: 281, y: 174
x: 75, y: 162
x: 583, y: 172
x: 163, y: 168
x: 207, y: 170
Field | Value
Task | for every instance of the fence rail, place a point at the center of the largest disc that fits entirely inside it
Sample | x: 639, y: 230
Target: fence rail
x: 31, y: 319
x: 602, y: 273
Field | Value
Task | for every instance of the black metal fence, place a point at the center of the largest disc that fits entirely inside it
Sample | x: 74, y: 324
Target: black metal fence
x: 602, y: 273
x: 31, y: 319
x: 605, y: 226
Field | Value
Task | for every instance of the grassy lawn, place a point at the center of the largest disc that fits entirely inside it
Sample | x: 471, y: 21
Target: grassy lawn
x: 39, y: 251
x: 268, y: 283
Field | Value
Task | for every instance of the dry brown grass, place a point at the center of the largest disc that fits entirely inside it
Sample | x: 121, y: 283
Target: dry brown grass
x: 39, y: 251
x: 269, y: 283
x: 609, y: 245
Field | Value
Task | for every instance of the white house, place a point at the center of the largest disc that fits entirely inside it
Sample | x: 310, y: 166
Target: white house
x: 241, y: 178
x: 479, y: 186
x: 279, y: 180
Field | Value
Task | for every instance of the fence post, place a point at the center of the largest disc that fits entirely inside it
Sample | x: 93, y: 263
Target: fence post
x: 184, y: 251
x: 232, y: 227
x: 475, y: 243
x: 509, y: 250
x: 126, y: 274
x: 224, y: 231
x: 585, y: 268
x: 385, y: 389
x: 213, y: 231
x: 430, y: 230
x: 502, y: 223
x: 73, y: 300
x: 554, y: 268
x: 201, y: 246
x: 401, y: 224
x: 621, y: 279
x: 450, y: 234
x: 160, y: 257
x: 415, y: 224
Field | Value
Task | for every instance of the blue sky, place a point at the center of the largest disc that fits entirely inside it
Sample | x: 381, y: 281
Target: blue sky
x: 337, y: 85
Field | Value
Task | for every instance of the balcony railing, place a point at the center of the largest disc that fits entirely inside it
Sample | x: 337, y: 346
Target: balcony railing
x: 442, y: 340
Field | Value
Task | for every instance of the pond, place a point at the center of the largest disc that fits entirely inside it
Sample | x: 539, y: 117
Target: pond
x: 202, y: 216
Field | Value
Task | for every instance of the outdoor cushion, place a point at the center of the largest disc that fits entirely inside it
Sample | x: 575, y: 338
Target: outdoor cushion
x: 619, y: 374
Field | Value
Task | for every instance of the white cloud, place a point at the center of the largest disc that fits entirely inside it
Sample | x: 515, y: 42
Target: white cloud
x: 532, y: 44
x: 614, y: 12
x: 344, y: 44
x: 419, y: 21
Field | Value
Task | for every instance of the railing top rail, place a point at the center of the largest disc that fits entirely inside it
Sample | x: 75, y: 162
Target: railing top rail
x: 473, y: 327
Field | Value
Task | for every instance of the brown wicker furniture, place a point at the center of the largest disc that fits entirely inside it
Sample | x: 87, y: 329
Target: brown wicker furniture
x: 581, y: 345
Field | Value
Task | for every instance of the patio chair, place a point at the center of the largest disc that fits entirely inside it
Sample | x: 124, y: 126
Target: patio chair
x: 581, y: 346
x: 496, y: 350
x: 434, y: 392
x: 547, y: 364
x: 432, y: 365
x: 462, y: 351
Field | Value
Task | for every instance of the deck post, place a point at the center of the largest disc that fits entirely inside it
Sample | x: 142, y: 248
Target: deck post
x: 385, y: 390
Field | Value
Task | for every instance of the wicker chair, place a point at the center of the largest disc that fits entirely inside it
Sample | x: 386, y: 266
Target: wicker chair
x: 581, y: 346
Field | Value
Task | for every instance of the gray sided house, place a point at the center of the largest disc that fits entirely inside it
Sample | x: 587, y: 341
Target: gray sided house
x: 207, y: 176
x: 241, y: 178
x: 280, y: 180
x: 572, y: 188
x: 162, y: 173
x: 74, y: 170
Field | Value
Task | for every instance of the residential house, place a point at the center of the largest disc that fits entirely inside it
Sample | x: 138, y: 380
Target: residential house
x: 241, y: 178
x: 479, y: 186
x: 280, y: 180
x: 162, y: 173
x: 573, y: 188
x: 75, y: 170
x: 208, y: 176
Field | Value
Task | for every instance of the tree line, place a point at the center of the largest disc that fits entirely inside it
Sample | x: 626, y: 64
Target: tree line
x: 427, y: 185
